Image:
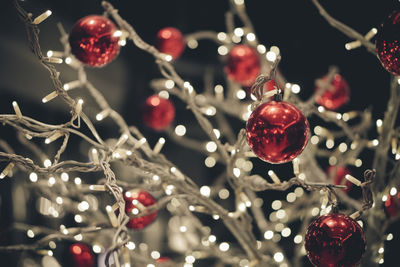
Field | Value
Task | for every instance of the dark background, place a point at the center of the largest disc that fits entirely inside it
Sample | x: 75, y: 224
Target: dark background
x: 307, y: 43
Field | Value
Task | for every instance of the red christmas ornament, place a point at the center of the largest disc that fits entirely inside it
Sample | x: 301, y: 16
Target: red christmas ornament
x: 170, y: 41
x: 93, y: 41
x: 158, y: 113
x: 135, y: 201
x: 387, y: 43
x: 163, y: 259
x: 81, y: 255
x: 243, y: 65
x: 336, y: 95
x: 334, y: 240
x: 338, y: 175
x: 277, y: 132
x: 392, y: 205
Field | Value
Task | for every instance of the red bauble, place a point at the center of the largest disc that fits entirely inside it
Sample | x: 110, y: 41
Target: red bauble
x: 387, y: 43
x: 243, y: 65
x: 338, y: 175
x: 335, y: 240
x: 93, y: 41
x: 392, y: 205
x: 277, y: 132
x: 81, y: 255
x: 336, y: 95
x: 135, y: 201
x: 158, y: 112
x: 163, y: 260
x: 170, y: 41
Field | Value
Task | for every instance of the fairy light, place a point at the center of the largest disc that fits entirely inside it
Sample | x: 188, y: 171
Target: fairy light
x: 53, y: 137
x: 180, y: 130
x: 298, y: 239
x: 163, y: 94
x: 393, y: 191
x: 315, y: 211
x: 49, y: 97
x: 46, y: 163
x: 276, y: 204
x: 299, y: 192
x: 222, y: 50
x: 224, y: 246
x: 314, y: 140
x: 241, y: 94
x: 78, y: 218
x: 130, y: 245
x: 192, y: 44
x: 39, y: 19
x: 159, y: 145
x: 17, y: 110
x: 64, y: 177
x: 221, y: 36
x: 205, y: 191
x: 389, y: 237
x: 280, y: 214
x: 236, y: 172
x: 271, y: 56
x: 169, y: 84
x: 296, y: 167
x: 286, y: 232
x: 278, y: 257
x: 302, y: 176
x: 343, y: 147
x: 268, y: 235
x: 83, y: 206
x: 211, y: 146
x: 223, y: 193
x: 140, y: 143
x: 384, y: 198
x: 291, y: 197
x: 251, y: 37
x: 77, y: 181
x: 103, y: 114
x: 330, y: 143
x: 261, y: 49
x: 215, y: 217
x: 7, y: 170
x: 71, y: 85
x: 155, y: 254
x: 190, y: 259
x: 275, y: 49
x: 381, y: 261
x: 30, y: 233
x: 239, y: 2
x: 295, y: 88
x: 332, y: 160
x: 353, y: 179
x: 33, y: 177
x: 274, y: 177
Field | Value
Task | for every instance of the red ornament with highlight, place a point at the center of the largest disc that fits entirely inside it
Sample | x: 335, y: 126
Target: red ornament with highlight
x: 392, y: 205
x: 243, y: 65
x: 81, y: 255
x: 93, y: 41
x: 158, y: 112
x: 135, y: 201
x: 170, y: 41
x: 336, y: 95
x: 335, y: 240
x: 338, y: 175
x: 277, y: 132
x: 387, y: 43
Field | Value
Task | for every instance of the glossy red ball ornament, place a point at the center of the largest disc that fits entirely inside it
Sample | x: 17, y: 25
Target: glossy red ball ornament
x: 392, y: 205
x: 81, y: 255
x: 387, y: 43
x: 335, y: 240
x: 243, y: 65
x: 93, y: 40
x: 336, y: 95
x: 170, y: 41
x: 135, y: 201
x: 158, y: 112
x: 338, y: 175
x: 277, y: 132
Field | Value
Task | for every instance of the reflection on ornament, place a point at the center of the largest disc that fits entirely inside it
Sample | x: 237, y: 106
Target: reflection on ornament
x: 387, y: 43
x: 243, y: 65
x: 170, y: 41
x: 158, y: 113
x: 277, y: 132
x: 94, y: 41
x: 335, y: 240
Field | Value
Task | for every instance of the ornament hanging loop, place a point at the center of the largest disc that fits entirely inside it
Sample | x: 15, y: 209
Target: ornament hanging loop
x: 258, y: 87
